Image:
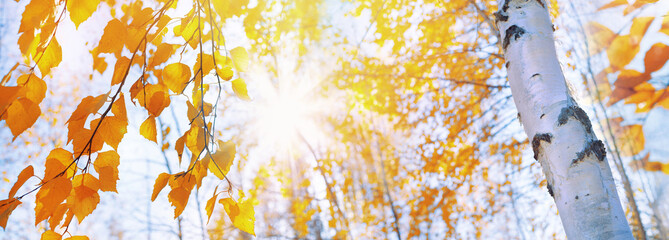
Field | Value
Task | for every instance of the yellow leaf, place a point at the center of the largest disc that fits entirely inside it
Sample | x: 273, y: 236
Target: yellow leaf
x: 633, y: 140
x: 114, y: 37
x: 242, y: 215
x: 106, y: 164
x: 239, y: 87
x: 226, y: 73
x: 176, y: 77
x: 599, y: 37
x: 222, y: 159
x: 622, y: 51
x: 85, y: 197
x: 21, y: 115
x: 207, y: 64
x: 23, y: 177
x: 50, y: 58
x: 160, y: 183
x: 639, y: 27
x: 148, y: 129
x: 80, y: 10
x: 665, y: 168
x: 7, y: 206
x: 665, y: 25
x: 51, y: 235
x: 240, y: 59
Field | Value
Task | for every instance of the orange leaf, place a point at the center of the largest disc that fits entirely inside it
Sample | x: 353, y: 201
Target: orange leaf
x: 630, y: 78
x: 81, y: 10
x: 613, y: 3
x: 161, y: 181
x: 179, y: 145
x: 23, y: 177
x: 87, y: 106
x: 49, y: 196
x: 176, y: 77
x: 119, y: 110
x: 120, y: 69
x: 7, y: 206
x: 34, y: 87
x: 77, y: 238
x: 181, y: 185
x: 57, y: 215
x: 195, y: 139
x: 222, y: 159
x: 58, y: 162
x: 51, y: 235
x: 148, y: 129
x: 106, y: 164
x: 239, y: 87
x: 163, y: 52
x: 21, y: 115
x: 210, y: 204
x: 656, y: 57
x: 9, y: 94
x: 50, y: 58
x: 85, y: 143
x: 85, y: 197
x: 114, y: 37
x: 111, y: 130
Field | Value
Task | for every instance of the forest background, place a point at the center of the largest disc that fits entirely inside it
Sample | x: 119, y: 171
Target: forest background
x: 365, y: 119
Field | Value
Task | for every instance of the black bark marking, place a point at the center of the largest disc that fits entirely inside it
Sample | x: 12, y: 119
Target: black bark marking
x: 536, y: 142
x: 553, y: 26
x: 541, y: 3
x: 595, y: 147
x: 505, y: 7
x: 521, y: 122
x: 576, y: 197
x: 542, y: 116
x: 550, y: 190
x: 514, y: 31
x: 507, y: 64
x: 536, y: 74
x: 500, y: 16
x: 578, y: 114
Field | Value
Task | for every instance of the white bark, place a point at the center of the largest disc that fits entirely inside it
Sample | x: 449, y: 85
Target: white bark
x: 573, y: 160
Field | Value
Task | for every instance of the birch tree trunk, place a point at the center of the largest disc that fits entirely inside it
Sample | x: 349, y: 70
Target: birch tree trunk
x: 572, y: 158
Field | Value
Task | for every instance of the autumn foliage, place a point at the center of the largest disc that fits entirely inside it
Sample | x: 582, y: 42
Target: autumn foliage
x: 384, y: 118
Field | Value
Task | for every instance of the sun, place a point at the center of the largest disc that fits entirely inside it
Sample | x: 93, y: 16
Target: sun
x: 287, y: 108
